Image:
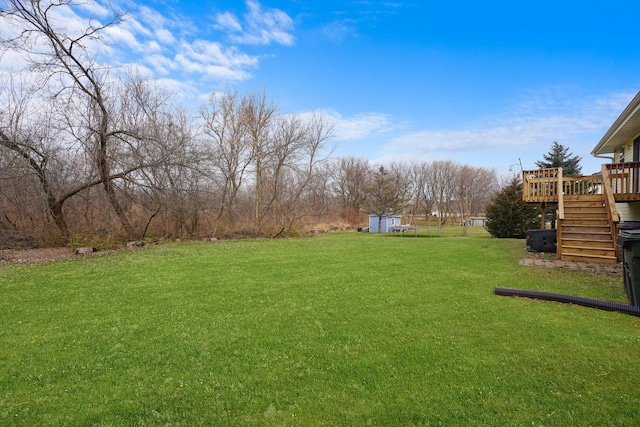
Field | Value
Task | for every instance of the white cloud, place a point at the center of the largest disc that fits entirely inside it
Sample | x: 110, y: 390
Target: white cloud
x: 228, y: 21
x: 164, y: 36
x: 533, y: 125
x: 360, y: 126
x: 261, y: 26
x: 207, y: 52
x: 119, y: 35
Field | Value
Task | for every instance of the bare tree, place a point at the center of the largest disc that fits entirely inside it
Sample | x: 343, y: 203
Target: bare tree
x: 114, y: 130
x: 439, y: 187
x: 474, y: 188
x: 350, y: 177
x: 258, y: 114
x: 228, y: 145
x: 299, y: 144
x: 64, y: 62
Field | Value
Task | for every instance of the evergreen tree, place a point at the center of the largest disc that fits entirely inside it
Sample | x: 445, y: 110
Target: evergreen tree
x: 560, y: 157
x: 508, y: 216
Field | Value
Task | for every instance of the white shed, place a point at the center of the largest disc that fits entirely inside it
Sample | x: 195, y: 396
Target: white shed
x: 477, y: 221
x: 386, y: 223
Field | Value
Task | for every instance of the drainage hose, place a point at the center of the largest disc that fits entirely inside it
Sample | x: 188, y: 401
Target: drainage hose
x: 586, y: 302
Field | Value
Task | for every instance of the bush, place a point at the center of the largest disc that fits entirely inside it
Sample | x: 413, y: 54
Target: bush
x: 508, y: 216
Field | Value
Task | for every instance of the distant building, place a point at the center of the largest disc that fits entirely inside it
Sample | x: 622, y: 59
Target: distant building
x: 477, y: 221
x: 386, y: 223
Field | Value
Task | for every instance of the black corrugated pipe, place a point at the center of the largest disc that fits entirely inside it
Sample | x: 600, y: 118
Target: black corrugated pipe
x: 587, y: 302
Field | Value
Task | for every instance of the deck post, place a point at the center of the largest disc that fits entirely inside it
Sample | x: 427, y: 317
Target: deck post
x: 543, y: 215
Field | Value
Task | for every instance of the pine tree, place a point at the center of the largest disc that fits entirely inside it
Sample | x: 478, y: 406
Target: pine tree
x: 510, y: 217
x: 559, y: 157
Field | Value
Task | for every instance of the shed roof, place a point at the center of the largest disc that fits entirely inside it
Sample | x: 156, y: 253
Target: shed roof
x: 625, y: 127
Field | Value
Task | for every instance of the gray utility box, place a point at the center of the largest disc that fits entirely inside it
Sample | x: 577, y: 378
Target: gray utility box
x: 629, y: 241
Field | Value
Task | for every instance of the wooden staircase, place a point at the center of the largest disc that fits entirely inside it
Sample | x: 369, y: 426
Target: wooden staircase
x: 584, y: 233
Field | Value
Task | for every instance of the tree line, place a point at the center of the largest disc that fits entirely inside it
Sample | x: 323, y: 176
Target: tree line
x: 88, y: 151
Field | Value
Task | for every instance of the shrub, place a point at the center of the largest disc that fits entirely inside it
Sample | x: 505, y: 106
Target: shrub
x: 508, y: 216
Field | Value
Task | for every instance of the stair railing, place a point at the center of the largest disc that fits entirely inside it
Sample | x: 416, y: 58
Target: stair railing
x: 560, y: 215
x: 610, y: 204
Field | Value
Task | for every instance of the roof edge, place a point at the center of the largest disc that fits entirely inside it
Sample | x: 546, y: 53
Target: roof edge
x: 617, y: 125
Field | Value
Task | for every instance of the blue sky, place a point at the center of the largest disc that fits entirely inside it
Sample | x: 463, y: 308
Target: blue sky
x: 484, y: 83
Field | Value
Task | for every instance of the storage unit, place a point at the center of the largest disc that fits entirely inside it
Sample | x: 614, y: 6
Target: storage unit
x: 629, y: 241
x: 385, y: 223
x: 541, y: 241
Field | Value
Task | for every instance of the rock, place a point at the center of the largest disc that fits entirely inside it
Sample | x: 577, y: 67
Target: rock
x: 134, y: 244
x: 86, y: 250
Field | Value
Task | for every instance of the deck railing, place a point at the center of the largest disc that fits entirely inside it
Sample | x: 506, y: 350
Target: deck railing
x: 613, y: 217
x: 541, y: 185
x: 549, y: 185
x: 624, y: 180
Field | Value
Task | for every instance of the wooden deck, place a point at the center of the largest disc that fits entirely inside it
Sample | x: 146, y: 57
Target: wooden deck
x: 549, y: 185
x: 587, y: 220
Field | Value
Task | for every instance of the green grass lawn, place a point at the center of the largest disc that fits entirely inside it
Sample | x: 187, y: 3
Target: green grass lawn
x: 340, y: 329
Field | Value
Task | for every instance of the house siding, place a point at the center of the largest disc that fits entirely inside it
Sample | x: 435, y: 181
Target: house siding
x: 629, y: 211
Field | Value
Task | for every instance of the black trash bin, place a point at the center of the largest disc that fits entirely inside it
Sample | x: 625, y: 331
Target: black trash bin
x: 629, y: 225
x: 541, y: 240
x: 629, y: 241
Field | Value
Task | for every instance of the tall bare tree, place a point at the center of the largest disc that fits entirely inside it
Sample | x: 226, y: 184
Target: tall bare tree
x: 63, y: 60
x: 228, y: 145
x: 474, y: 188
x: 349, y: 178
x: 439, y: 186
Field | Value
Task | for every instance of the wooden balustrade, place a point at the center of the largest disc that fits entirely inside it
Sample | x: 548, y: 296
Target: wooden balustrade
x: 549, y: 185
x: 541, y: 185
x: 624, y: 180
x: 612, y: 212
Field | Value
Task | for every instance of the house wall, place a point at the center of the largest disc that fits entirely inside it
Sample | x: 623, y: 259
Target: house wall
x: 625, y: 153
x: 629, y: 211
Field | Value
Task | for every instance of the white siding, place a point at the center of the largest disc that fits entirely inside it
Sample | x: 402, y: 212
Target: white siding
x: 629, y: 211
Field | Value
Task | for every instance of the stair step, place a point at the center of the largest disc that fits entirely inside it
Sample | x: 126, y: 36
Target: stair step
x: 579, y: 250
x: 587, y: 243
x: 585, y: 233
x: 584, y: 215
x: 584, y: 211
x: 589, y: 258
x: 583, y: 197
x: 598, y: 231
x: 598, y: 222
x: 589, y: 206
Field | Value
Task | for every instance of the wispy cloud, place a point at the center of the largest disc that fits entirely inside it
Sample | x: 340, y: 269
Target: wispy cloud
x: 531, y: 126
x: 338, y: 31
x: 359, y: 126
x: 260, y: 26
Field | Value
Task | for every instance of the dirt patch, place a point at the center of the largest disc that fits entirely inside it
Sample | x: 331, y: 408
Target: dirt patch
x: 548, y: 260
